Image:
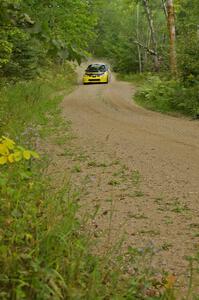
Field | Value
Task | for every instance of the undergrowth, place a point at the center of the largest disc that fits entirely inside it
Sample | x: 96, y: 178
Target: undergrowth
x: 136, y: 78
x: 169, y: 96
x: 159, y: 93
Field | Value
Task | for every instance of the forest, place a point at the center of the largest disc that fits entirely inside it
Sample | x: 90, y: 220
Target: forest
x: 135, y: 36
x: 153, y: 44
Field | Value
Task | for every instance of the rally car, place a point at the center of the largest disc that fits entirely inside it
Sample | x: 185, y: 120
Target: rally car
x: 97, y: 73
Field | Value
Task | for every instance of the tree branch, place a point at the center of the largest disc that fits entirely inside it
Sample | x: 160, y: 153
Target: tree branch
x: 152, y: 52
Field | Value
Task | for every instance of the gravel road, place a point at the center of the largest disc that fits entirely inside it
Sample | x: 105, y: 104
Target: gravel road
x: 153, y: 186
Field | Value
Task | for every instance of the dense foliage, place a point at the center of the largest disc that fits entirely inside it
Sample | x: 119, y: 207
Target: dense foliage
x: 125, y: 38
x: 169, y: 96
x: 33, y: 32
x: 123, y: 27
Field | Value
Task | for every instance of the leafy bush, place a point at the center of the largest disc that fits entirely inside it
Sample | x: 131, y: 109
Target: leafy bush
x: 11, y: 153
x: 169, y: 96
x: 188, y: 59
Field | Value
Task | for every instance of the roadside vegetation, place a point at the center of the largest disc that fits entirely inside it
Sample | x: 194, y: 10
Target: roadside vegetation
x: 45, y: 253
x: 160, y: 93
x: 169, y: 96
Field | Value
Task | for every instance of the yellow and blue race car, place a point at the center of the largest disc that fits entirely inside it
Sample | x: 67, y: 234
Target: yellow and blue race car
x: 96, y: 73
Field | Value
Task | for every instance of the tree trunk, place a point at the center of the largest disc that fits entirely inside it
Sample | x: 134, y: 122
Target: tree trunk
x: 172, y: 37
x: 164, y: 8
x: 138, y: 46
x: 153, y: 36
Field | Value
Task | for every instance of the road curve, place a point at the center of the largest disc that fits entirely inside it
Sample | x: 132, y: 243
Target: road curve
x: 163, y: 148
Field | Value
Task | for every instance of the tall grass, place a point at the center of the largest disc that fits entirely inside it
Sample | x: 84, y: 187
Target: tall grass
x: 28, y: 103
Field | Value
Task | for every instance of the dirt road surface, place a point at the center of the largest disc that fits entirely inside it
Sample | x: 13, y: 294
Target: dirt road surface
x: 141, y: 170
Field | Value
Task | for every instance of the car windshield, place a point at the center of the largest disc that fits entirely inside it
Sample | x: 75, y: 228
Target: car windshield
x: 96, y: 68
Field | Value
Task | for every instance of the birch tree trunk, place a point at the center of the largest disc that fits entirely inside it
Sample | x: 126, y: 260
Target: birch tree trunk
x: 138, y: 46
x: 172, y: 37
x: 164, y: 8
x: 153, y: 36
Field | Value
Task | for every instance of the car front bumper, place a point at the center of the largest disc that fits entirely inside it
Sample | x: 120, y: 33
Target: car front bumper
x: 95, y: 79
